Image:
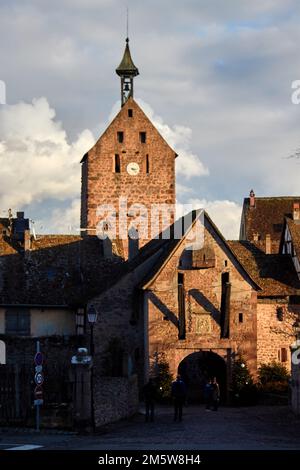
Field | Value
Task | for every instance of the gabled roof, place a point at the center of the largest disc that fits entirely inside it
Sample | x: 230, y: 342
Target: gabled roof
x: 274, y: 273
x: 173, y: 244
x: 130, y: 103
x: 266, y: 217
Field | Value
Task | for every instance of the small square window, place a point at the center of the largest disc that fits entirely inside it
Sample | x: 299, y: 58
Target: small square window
x: 143, y: 137
x: 241, y: 318
x: 120, y: 135
x: 130, y: 113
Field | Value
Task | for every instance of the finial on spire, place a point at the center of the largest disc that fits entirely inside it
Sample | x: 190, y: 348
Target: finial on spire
x: 127, y: 71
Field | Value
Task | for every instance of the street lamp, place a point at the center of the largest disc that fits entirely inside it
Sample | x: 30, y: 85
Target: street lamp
x: 92, y: 315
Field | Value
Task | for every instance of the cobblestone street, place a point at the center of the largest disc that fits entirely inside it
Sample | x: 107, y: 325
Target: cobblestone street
x: 257, y: 428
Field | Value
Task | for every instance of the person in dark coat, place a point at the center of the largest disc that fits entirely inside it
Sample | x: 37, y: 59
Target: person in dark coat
x: 149, y: 394
x: 215, y: 394
x: 179, y: 396
x: 208, y: 392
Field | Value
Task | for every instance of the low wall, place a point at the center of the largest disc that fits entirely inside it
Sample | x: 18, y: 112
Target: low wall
x: 115, y: 398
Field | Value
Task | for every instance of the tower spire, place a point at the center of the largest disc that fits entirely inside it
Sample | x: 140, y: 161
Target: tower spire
x: 127, y: 71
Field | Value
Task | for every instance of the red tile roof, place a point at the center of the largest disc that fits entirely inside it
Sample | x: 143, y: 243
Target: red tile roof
x: 267, y: 217
x: 274, y: 273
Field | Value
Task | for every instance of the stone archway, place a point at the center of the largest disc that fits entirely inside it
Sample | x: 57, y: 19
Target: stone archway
x: 197, y: 368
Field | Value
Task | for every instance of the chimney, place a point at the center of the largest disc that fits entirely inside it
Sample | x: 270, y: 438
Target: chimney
x: 268, y: 244
x: 20, y: 225
x: 252, y: 198
x: 296, y: 211
x: 27, y: 240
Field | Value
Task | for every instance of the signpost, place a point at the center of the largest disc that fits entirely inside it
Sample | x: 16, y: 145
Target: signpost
x: 39, y: 380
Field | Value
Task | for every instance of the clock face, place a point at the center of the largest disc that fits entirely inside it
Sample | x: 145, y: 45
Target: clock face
x: 133, y: 168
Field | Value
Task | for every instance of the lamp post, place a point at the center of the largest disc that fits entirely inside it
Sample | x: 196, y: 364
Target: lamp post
x: 92, y: 315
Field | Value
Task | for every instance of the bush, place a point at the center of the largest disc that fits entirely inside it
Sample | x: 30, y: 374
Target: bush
x: 273, y: 372
x: 273, y: 378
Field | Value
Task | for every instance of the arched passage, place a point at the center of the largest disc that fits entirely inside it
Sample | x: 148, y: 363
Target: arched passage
x: 197, y: 368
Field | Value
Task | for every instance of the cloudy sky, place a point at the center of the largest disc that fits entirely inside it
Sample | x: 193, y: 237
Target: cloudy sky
x: 215, y: 77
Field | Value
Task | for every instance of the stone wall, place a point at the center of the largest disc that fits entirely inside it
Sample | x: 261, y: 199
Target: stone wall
x: 115, y: 398
x: 272, y: 334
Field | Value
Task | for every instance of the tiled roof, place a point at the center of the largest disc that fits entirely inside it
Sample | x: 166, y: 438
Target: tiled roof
x: 274, y: 273
x: 57, y: 270
x: 267, y: 217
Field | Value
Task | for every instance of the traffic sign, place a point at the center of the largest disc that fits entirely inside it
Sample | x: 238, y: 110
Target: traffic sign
x: 38, y: 402
x: 38, y: 359
x: 39, y: 378
x: 38, y: 368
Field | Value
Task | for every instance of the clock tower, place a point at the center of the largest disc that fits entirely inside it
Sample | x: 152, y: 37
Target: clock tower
x: 128, y: 176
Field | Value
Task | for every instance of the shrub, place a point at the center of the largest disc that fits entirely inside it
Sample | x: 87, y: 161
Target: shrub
x: 273, y: 372
x: 273, y: 378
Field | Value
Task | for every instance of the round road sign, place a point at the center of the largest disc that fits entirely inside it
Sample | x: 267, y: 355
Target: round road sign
x: 39, y: 378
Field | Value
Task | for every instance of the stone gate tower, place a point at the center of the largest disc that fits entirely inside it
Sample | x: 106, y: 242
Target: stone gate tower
x: 130, y: 168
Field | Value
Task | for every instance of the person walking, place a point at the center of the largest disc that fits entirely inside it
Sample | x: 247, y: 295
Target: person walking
x: 179, y: 396
x: 208, y: 391
x: 149, y: 394
x: 215, y: 394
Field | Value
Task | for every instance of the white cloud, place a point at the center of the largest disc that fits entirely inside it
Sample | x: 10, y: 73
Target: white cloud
x: 61, y: 220
x: 37, y: 161
x: 225, y: 214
